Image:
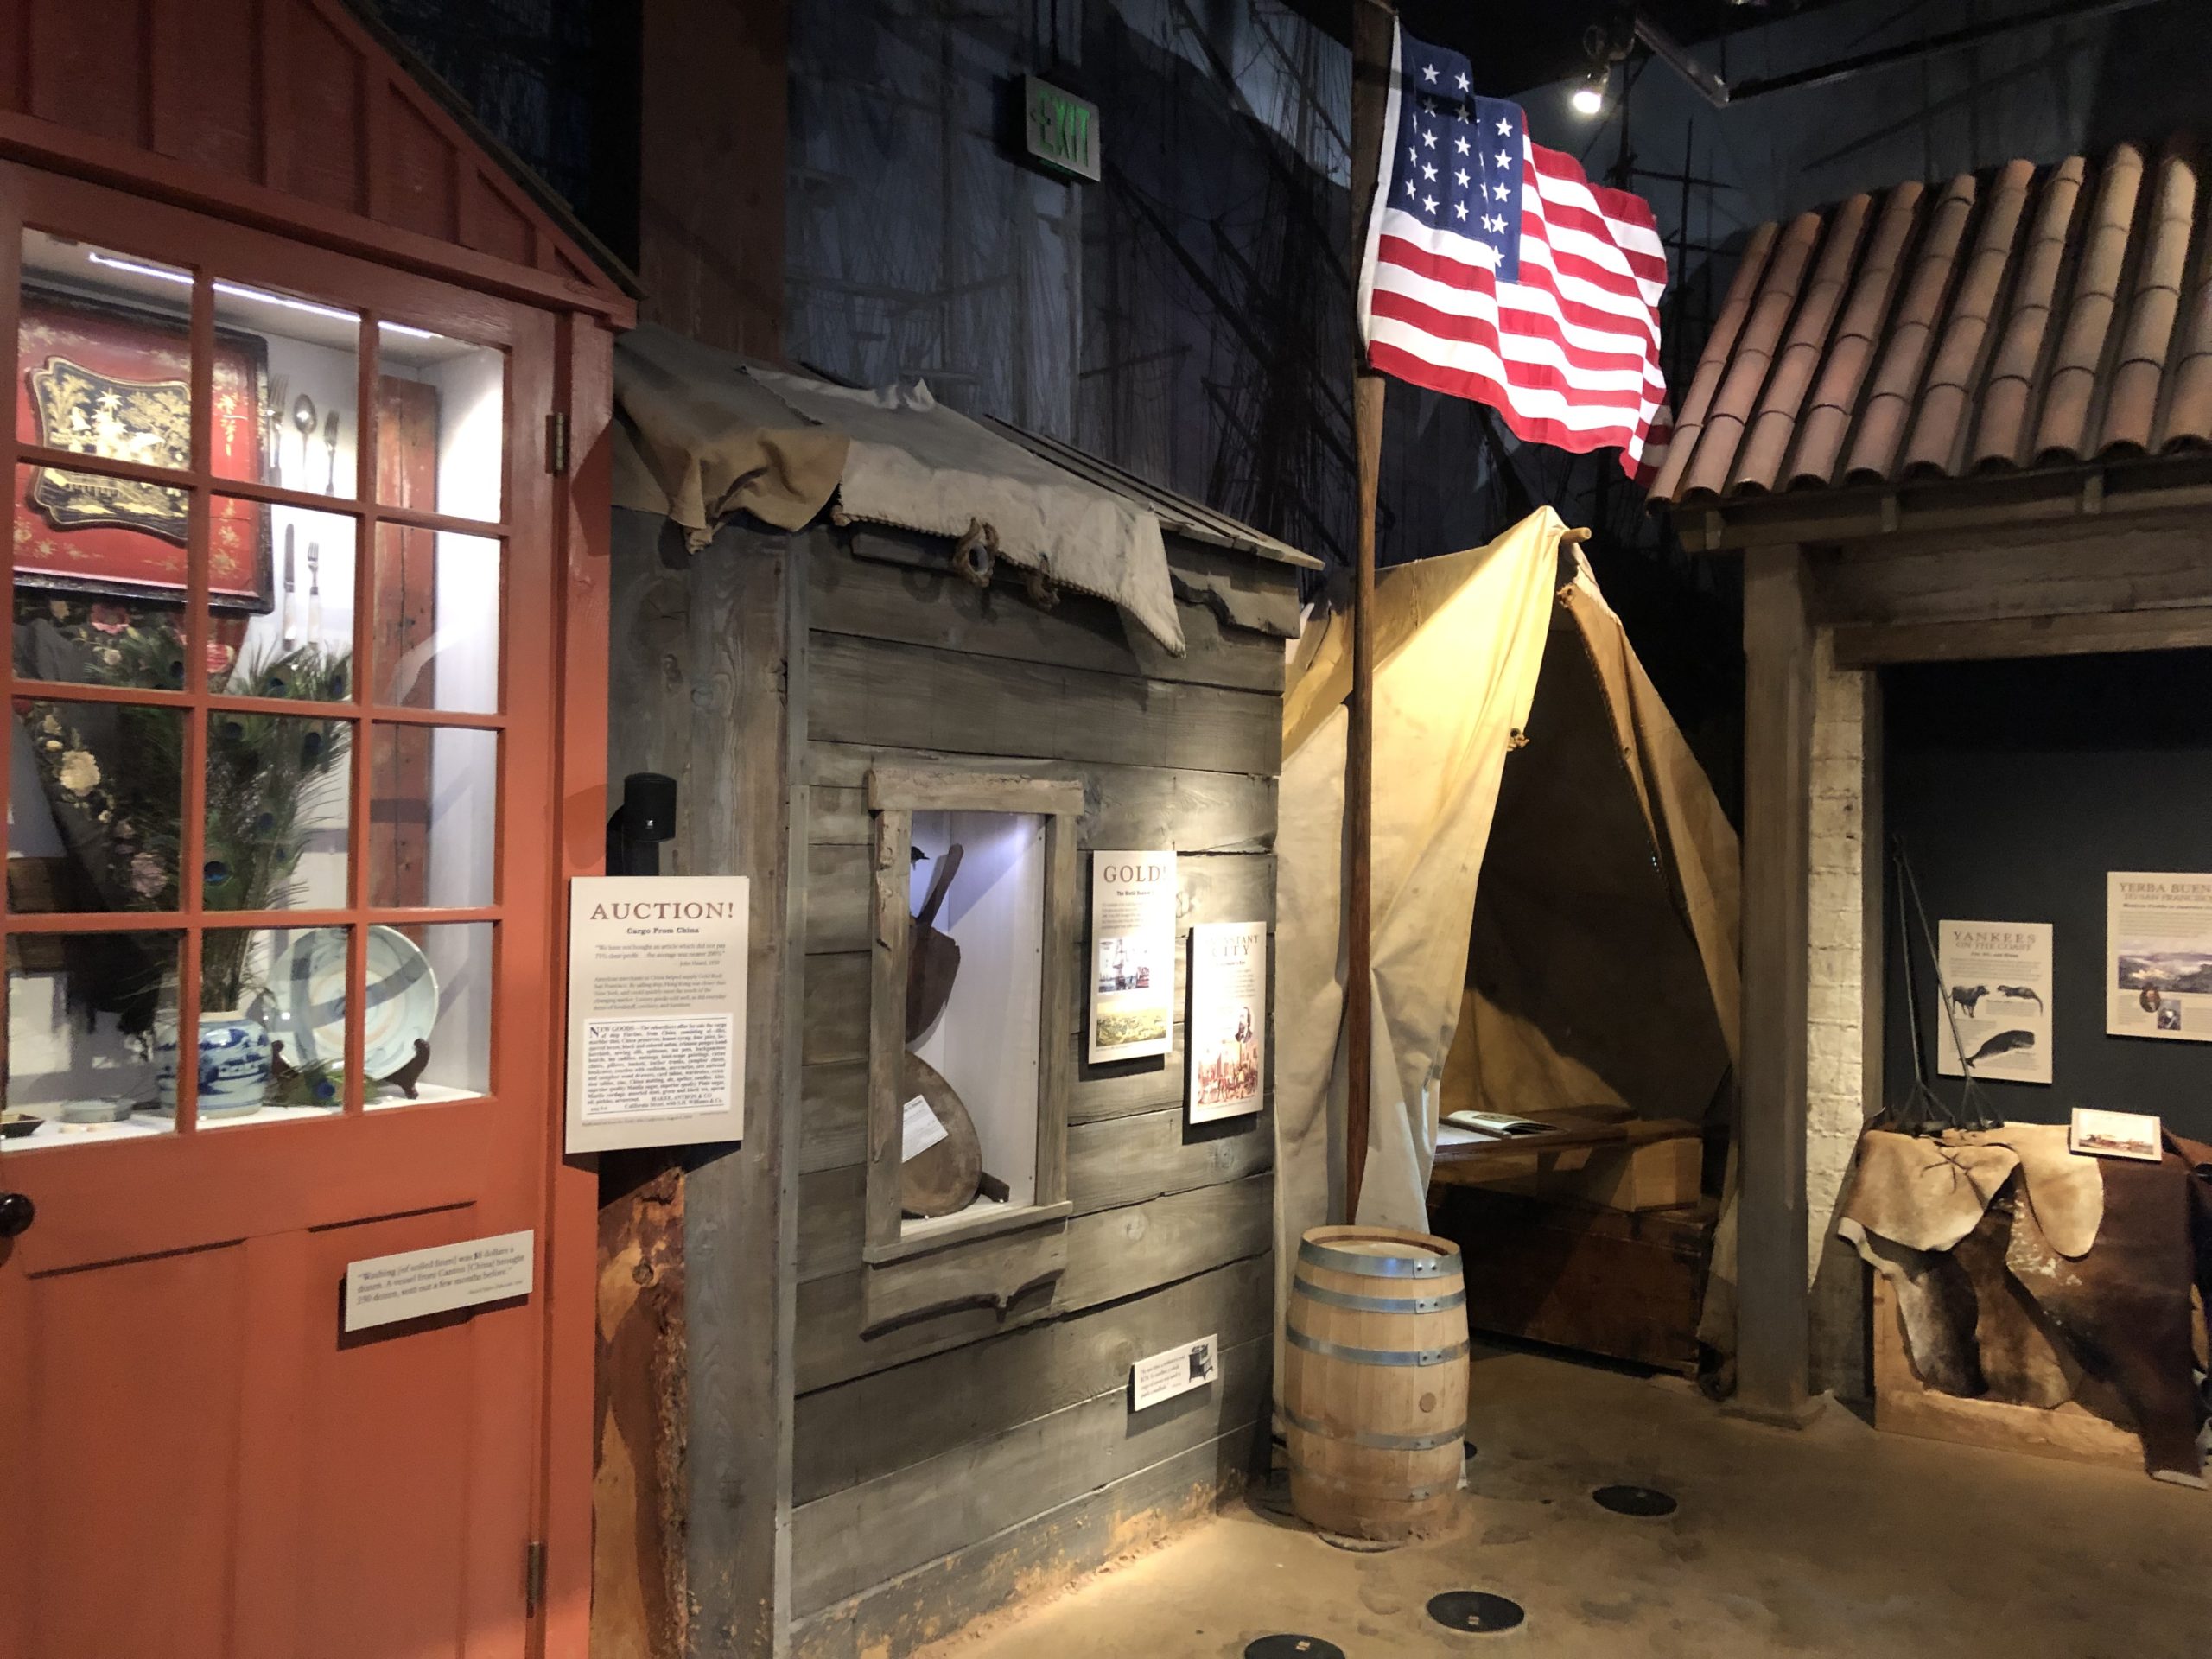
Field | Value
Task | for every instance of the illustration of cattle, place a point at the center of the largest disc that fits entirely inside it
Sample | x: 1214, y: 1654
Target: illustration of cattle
x: 1965, y: 998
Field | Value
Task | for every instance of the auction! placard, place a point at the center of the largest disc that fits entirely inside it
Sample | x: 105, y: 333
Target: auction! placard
x: 656, y: 1010
x: 1226, y: 1037
x: 1131, y: 955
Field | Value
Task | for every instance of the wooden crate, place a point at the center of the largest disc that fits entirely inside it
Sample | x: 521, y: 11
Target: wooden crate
x: 1627, y: 1285
x: 1905, y: 1405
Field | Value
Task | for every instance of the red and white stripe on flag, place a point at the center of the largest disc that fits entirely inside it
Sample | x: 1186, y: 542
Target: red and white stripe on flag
x: 1563, y: 341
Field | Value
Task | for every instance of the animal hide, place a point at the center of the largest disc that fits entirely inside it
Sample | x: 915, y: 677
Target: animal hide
x: 2196, y: 1158
x: 2124, y: 1307
x: 2111, y: 1318
x: 2022, y: 1360
x: 1936, y: 1305
x: 1930, y: 1193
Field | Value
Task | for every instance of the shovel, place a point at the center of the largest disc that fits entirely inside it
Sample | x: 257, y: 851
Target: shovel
x: 934, y: 958
x: 942, y: 1180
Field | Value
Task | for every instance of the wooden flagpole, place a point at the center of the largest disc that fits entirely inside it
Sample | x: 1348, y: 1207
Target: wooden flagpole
x: 1373, y: 28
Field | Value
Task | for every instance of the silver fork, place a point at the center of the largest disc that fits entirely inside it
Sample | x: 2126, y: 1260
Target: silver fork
x: 272, y: 415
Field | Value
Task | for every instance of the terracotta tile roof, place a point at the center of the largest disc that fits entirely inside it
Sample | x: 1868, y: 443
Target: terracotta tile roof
x: 2024, y: 319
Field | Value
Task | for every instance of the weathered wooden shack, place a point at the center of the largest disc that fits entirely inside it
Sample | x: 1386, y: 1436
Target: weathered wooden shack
x: 893, y: 1427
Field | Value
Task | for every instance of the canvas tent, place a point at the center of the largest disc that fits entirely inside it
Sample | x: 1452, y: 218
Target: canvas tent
x: 1519, y: 747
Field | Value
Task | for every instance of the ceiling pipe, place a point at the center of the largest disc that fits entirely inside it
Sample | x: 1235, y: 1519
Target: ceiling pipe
x: 1676, y: 56
x: 1717, y: 92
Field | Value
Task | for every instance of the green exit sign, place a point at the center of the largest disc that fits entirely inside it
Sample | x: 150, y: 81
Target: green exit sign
x: 1060, y: 129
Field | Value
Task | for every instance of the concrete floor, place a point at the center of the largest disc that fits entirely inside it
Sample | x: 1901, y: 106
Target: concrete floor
x: 1830, y: 1541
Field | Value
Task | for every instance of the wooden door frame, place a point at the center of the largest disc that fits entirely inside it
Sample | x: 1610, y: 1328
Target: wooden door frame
x: 583, y: 396
x: 1975, y: 590
x: 561, y: 391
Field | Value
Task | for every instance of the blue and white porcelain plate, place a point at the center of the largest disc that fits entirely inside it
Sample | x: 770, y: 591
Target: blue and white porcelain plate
x: 307, y: 981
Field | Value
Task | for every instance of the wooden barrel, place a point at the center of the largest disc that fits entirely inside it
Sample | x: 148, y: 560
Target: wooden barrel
x: 1375, y: 1381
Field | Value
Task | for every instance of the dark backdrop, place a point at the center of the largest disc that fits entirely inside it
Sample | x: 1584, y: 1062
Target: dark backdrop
x: 2016, y: 787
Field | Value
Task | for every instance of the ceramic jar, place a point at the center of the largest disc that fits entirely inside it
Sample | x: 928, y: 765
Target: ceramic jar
x: 234, y: 1063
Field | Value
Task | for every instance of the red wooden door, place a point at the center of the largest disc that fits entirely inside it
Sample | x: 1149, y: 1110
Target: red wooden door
x: 283, y: 775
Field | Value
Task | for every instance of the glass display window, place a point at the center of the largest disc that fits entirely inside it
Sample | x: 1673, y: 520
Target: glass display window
x: 454, y: 986
x: 86, y: 1013
x: 103, y: 342
x: 441, y: 412
x: 298, y: 425
x: 261, y: 735
x: 95, y: 807
x: 432, y: 817
x: 976, y: 950
x: 298, y: 641
x: 436, y: 619
x: 273, y: 1036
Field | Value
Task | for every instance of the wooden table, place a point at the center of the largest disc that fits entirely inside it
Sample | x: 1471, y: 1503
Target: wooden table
x: 1609, y: 1159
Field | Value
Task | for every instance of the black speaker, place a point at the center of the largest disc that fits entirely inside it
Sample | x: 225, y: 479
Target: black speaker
x: 645, y: 818
x: 649, y: 806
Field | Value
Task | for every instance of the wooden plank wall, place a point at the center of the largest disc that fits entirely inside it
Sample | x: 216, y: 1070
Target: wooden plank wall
x: 945, y: 1464
x: 696, y: 1297
x: 290, y: 110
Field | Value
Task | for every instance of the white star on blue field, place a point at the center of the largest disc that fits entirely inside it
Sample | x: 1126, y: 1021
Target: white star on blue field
x: 1457, y: 165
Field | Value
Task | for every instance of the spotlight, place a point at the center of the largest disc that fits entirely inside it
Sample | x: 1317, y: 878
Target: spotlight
x: 1604, y: 45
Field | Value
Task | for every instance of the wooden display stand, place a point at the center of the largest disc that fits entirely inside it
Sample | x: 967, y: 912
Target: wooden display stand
x: 1905, y: 1405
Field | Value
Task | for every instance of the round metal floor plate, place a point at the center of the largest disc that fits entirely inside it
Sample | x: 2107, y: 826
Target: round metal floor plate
x: 1644, y: 1500
x: 1293, y: 1647
x: 1475, y: 1610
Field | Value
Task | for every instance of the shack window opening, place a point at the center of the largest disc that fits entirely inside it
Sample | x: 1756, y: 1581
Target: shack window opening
x: 968, y: 1110
x: 971, y: 1034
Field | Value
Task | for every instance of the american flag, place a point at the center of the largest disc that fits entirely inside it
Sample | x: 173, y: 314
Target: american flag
x: 1496, y: 270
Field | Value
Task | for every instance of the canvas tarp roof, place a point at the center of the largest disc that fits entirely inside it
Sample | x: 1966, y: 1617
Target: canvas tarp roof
x: 702, y: 434
x: 1605, y: 966
x: 697, y: 440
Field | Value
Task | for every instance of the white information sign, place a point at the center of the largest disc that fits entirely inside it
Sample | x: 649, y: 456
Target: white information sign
x: 1176, y: 1372
x: 656, y: 1010
x: 2158, y: 956
x: 1131, y: 955
x: 919, y: 1129
x: 1227, y: 1035
x: 383, y: 1289
x: 1996, y: 991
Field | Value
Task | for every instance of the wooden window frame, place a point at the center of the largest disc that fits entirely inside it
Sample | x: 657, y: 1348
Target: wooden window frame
x: 212, y: 251
x: 997, y: 1257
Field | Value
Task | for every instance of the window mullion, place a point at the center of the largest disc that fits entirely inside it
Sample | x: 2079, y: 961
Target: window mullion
x: 365, y: 735
x: 11, y: 289
x: 192, y: 859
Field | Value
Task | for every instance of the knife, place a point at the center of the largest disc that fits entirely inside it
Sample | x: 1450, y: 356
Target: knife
x: 288, y: 621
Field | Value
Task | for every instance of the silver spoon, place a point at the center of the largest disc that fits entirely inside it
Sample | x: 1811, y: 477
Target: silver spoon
x: 303, y: 420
